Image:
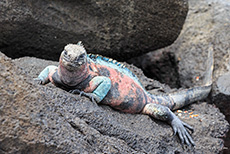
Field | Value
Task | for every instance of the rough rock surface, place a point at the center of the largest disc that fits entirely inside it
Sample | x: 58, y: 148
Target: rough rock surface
x: 46, y: 119
x: 160, y: 65
x: 121, y: 30
x: 208, y: 22
x: 221, y: 92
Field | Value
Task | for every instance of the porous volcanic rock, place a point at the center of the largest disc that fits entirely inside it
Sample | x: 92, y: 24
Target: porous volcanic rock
x: 118, y: 29
x: 207, y: 23
x: 45, y: 119
x: 221, y: 92
x: 160, y: 65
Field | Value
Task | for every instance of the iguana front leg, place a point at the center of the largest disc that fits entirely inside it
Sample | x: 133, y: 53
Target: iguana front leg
x: 45, y: 76
x: 164, y: 113
x: 96, y: 90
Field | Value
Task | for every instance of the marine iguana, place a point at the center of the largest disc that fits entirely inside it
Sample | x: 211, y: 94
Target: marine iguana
x: 106, y: 81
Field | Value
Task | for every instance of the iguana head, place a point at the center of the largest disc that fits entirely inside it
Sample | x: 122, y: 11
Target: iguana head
x: 73, y: 57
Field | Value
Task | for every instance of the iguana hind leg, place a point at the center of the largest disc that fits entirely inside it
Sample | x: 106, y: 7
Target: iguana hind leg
x: 163, y: 113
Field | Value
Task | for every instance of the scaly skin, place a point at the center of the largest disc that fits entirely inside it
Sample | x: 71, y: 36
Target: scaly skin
x: 108, y: 82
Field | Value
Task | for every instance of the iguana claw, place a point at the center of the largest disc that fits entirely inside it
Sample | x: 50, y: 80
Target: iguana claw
x: 75, y: 91
x: 37, y: 80
x: 91, y: 96
x: 179, y: 127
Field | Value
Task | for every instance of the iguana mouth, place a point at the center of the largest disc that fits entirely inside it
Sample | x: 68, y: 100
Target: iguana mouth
x: 72, y: 64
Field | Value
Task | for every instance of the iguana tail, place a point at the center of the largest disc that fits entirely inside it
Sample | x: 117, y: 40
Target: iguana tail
x: 188, y: 96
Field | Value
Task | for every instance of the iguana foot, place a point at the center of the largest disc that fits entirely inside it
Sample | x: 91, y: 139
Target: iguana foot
x: 75, y: 91
x: 38, y: 81
x: 93, y: 97
x: 179, y: 127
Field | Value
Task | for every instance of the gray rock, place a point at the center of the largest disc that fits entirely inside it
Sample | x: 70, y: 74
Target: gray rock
x: 46, y: 119
x: 160, y: 65
x: 207, y: 23
x: 223, y: 83
x: 120, y: 30
x: 221, y: 91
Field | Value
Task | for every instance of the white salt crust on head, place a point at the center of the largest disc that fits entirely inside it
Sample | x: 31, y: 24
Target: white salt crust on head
x: 75, y: 48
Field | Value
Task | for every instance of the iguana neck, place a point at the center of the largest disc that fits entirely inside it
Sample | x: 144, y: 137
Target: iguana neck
x: 73, y: 77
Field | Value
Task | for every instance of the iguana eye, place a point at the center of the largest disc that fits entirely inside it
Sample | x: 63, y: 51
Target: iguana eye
x: 82, y: 56
x: 65, y: 52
